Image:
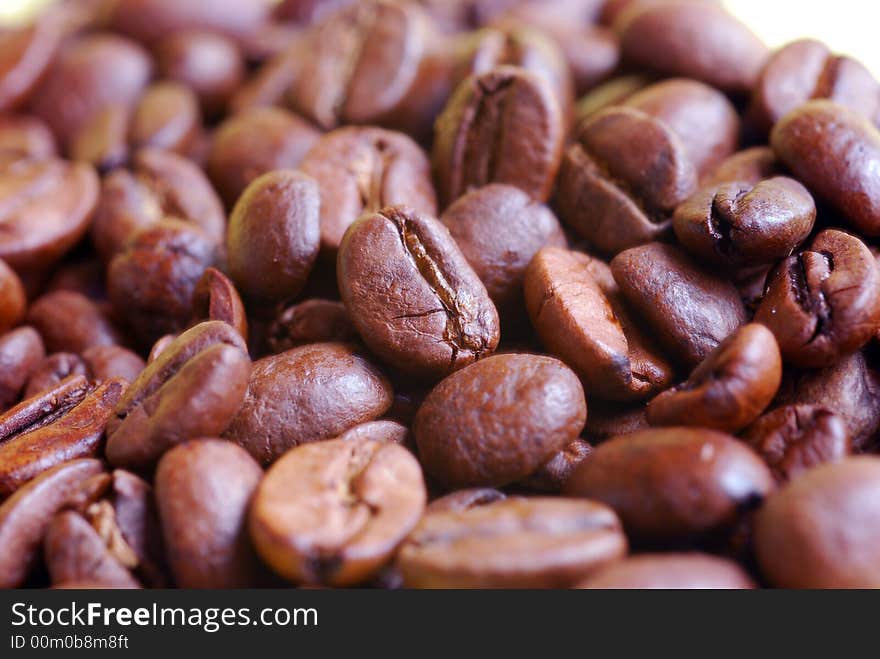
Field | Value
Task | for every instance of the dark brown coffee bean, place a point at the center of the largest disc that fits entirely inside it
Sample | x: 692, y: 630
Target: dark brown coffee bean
x: 537, y: 408
x: 21, y: 352
x: 55, y: 426
x: 499, y: 228
x: 622, y: 178
x: 192, y: 389
x: 673, y: 483
x: 137, y: 522
x: 378, y: 431
x: 334, y: 512
x: 166, y: 117
x: 834, y: 152
x: 51, y: 371
x: 691, y: 310
x: 822, y: 530
x: 274, y: 235
x: 315, y: 392
x: 208, y: 63
x: 25, y: 516
x: 312, y: 321
x: 502, y: 126
x: 552, y: 475
x: 61, y: 194
x: 671, y: 572
x: 699, y: 40
x: 203, y: 489
x: 740, y: 224
x: 106, y: 362
x: 86, y: 277
x: 26, y: 136
x: 804, y: 70
x: 609, y: 420
x: 412, y: 296
x: 25, y: 55
x: 363, y: 170
x: 362, y: 61
x: 254, y: 143
x: 462, y: 500
x: 515, y: 543
x: 151, y: 283
x: 215, y: 298
x: 730, y: 389
x: 71, y: 322
x: 750, y: 166
x: 825, y: 303
x: 795, y: 438
x: 579, y: 315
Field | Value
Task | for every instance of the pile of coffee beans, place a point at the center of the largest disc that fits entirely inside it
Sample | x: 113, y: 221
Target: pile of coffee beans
x: 435, y: 293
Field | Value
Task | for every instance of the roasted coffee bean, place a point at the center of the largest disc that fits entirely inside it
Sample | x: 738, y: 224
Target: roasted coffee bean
x: 579, y: 315
x: 274, y: 235
x: 462, y: 500
x: 51, y: 371
x: 412, y: 296
x: 613, y: 92
x: 60, y: 194
x: 361, y: 63
x: 215, y: 298
x: 21, y: 352
x: 192, y: 389
x: 622, y: 178
x: 102, y: 141
x: 25, y: 56
x: 671, y: 572
x: 363, y: 170
x: 704, y: 120
x: 609, y: 420
x: 823, y: 304
x: 750, y: 166
x: 515, y: 543
x: 166, y: 117
x: 690, y: 309
x: 498, y: 420
x: 270, y: 83
x: 26, y: 136
x: 834, y: 151
x: 741, y: 224
x: 692, y: 39
x: 592, y: 53
x: 552, y: 475
x: 208, y: 63
x: 673, y: 484
x: 110, y: 361
x: 25, y: 516
x: 311, y: 321
x: 12, y: 298
x: 378, y: 431
x: 795, y: 438
x: 499, y: 228
x: 71, y: 322
x: 804, y: 70
x: 502, y: 126
x: 254, y: 143
x: 334, y: 512
x: 730, y: 389
x: 305, y: 395
x: 151, y: 283
x: 55, y: 426
x: 210, y: 482
x: 822, y: 530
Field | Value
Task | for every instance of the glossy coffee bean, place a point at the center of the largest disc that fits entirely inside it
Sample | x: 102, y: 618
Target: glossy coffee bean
x: 334, y: 512
x: 796, y: 438
x: 729, y: 389
x: 609, y: 93
x: 274, y: 235
x: 579, y: 315
x: 690, y: 309
x: 751, y: 166
x: 310, y: 321
x: 741, y: 224
x: 834, y: 152
x: 166, y: 117
x: 51, y: 371
x: 12, y: 298
x: 192, y: 389
x: 215, y: 298
x: 211, y: 482
x: 641, y: 477
x: 692, y: 39
x: 363, y: 170
x: 71, y: 322
x: 21, y: 352
x: 671, y: 572
x: 111, y: 361
x: 498, y: 420
x: 305, y: 395
x: 824, y: 303
x: 821, y: 530
x: 622, y: 178
x: 502, y: 126
x: 514, y: 543
x: 499, y: 228
x: 552, y: 476
x: 378, y: 431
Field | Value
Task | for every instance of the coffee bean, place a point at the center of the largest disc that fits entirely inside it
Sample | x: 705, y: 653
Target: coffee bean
x: 25, y: 55
x: 270, y: 83
x: 412, y: 296
x: 378, y: 431
x: 26, y: 136
x: 51, y: 371
x: 102, y: 141
x: 610, y: 93
x: 71, y: 322
x: 166, y: 117
x: 514, y: 543
x: 821, y: 530
x: 641, y: 477
x: 592, y: 53
x: 751, y: 166
x: 609, y: 420
x: 671, y: 572
x: 311, y: 321
x: 496, y: 421
x: 552, y: 475
x: 462, y: 500
x: 21, y: 352
x: 334, y: 512
x: 215, y: 298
